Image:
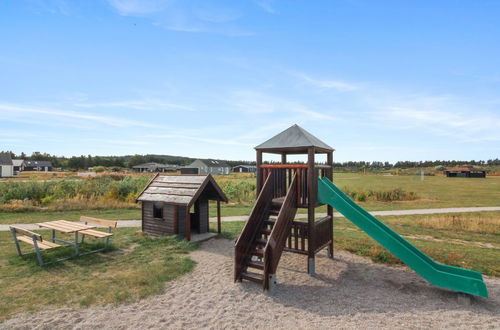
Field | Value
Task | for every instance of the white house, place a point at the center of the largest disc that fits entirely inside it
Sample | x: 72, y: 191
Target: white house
x: 6, y: 165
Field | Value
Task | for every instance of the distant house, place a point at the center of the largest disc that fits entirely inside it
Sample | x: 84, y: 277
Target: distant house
x: 154, y: 167
x: 206, y: 166
x: 37, y: 165
x: 245, y: 169
x: 465, y: 172
x: 6, y: 165
x: 18, y: 165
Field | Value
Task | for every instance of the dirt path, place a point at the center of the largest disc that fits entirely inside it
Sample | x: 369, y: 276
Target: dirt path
x: 137, y: 223
x: 349, y: 292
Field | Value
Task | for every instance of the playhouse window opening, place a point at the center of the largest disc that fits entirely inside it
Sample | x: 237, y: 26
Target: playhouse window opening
x: 158, y: 210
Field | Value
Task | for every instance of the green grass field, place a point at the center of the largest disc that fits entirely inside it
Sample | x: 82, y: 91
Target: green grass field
x: 433, y: 192
x: 135, y: 267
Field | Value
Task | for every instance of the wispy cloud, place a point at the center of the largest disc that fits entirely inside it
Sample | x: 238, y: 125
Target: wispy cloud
x: 196, y: 16
x: 334, y: 84
x: 254, y: 102
x: 20, y: 111
x: 266, y: 5
x: 147, y: 104
x: 198, y: 139
x: 139, y: 7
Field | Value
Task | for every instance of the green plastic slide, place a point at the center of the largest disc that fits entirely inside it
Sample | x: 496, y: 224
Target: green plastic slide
x: 449, y: 277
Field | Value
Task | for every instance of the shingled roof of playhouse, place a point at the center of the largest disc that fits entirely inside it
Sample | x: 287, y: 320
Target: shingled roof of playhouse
x: 181, y: 189
x: 294, y: 138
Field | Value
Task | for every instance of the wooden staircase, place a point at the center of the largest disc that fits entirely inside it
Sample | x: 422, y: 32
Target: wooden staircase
x: 261, y: 243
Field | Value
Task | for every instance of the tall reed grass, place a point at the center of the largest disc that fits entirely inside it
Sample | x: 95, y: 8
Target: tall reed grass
x: 102, y: 191
x: 397, y: 194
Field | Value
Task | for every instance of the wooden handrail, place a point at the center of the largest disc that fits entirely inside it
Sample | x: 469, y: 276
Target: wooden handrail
x: 252, y: 226
x: 280, y: 232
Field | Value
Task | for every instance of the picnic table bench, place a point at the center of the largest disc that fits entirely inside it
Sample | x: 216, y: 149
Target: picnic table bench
x: 68, y: 227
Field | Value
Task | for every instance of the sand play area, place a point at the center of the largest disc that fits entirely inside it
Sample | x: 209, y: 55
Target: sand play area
x: 349, y: 292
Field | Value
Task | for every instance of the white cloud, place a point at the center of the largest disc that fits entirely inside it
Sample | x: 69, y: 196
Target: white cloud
x: 24, y: 113
x: 337, y: 85
x: 266, y: 5
x: 139, y: 7
x: 195, y: 16
x: 198, y: 139
x: 147, y: 104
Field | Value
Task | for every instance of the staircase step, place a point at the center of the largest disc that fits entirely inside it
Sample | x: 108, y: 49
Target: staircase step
x: 261, y: 241
x: 270, y: 221
x: 256, y: 264
x: 257, y: 252
x: 257, y: 278
x: 265, y: 231
x: 274, y: 212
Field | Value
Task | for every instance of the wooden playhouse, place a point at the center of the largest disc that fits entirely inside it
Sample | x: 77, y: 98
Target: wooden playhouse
x: 179, y: 204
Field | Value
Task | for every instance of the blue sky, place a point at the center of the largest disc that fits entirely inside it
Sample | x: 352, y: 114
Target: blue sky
x: 377, y: 80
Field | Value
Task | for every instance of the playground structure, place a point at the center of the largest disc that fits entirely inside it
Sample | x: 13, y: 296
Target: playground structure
x: 284, y: 188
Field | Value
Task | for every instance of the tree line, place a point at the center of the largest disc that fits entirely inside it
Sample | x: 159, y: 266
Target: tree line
x: 84, y: 162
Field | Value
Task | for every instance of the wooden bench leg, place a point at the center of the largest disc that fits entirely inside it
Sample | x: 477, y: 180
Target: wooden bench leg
x: 77, y: 251
x: 53, y: 236
x: 13, y: 231
x: 37, y: 251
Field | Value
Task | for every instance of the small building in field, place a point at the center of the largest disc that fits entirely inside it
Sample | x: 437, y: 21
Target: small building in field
x: 465, y: 172
x: 245, y: 169
x: 206, y: 166
x: 154, y: 167
x: 18, y: 165
x: 6, y: 165
x: 175, y: 204
x: 37, y: 165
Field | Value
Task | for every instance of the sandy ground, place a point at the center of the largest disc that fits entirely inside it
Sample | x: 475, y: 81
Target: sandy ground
x: 349, y: 292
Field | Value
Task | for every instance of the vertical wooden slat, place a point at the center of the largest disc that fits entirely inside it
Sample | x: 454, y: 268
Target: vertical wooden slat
x: 311, y: 203
x: 218, y: 217
x: 176, y: 219
x: 188, y: 224
x: 259, y: 171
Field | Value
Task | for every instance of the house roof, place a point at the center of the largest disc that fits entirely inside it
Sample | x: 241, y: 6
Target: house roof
x: 294, y: 137
x: 154, y: 165
x: 212, y: 163
x: 42, y: 163
x: 466, y: 168
x: 17, y: 162
x: 247, y: 166
x: 181, y: 189
x: 5, y: 158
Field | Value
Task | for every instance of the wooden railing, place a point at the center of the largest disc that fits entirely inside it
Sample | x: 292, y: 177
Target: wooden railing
x: 252, y: 227
x: 323, y: 230
x: 298, y: 239
x: 283, y: 178
x: 281, y: 230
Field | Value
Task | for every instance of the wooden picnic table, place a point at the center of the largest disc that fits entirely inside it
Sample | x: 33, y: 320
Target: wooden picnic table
x: 67, y: 227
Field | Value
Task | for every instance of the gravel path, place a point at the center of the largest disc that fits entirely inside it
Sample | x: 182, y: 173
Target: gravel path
x: 349, y: 292
x: 137, y: 223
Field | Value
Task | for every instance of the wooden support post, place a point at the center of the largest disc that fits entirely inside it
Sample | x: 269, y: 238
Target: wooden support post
x: 283, y: 158
x: 218, y: 217
x: 311, y: 203
x: 329, y: 208
x: 259, y: 171
x: 188, y: 224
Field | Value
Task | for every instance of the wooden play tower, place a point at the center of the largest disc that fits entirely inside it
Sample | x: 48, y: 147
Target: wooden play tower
x: 282, y: 189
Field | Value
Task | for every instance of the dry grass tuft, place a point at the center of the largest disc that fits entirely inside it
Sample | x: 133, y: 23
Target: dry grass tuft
x: 471, y: 223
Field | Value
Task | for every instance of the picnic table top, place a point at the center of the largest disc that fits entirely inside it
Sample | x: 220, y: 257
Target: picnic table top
x: 65, y: 226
